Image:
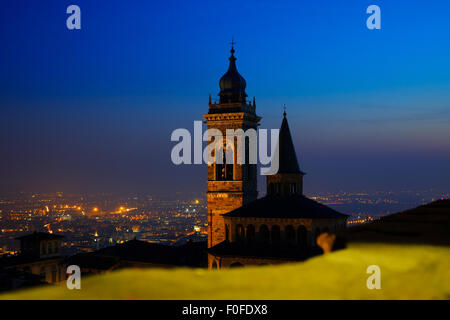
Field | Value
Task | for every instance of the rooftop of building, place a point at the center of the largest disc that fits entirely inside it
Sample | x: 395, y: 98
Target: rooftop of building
x: 189, y: 254
x: 40, y: 236
x: 287, y: 207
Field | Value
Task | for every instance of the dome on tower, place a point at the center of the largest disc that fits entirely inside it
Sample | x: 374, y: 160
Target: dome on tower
x: 232, y: 84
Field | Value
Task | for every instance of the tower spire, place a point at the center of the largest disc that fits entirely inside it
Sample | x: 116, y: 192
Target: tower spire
x: 289, y: 178
x: 232, y: 46
x: 288, y: 158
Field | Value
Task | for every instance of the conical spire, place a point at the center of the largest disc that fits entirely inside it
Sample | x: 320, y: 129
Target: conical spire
x: 288, y: 181
x: 287, y: 157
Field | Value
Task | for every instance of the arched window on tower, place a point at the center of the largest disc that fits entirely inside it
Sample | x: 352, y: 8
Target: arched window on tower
x: 249, y: 167
x: 224, y: 170
x: 220, y: 167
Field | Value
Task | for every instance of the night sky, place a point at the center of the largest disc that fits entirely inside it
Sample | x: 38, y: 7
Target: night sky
x: 92, y: 110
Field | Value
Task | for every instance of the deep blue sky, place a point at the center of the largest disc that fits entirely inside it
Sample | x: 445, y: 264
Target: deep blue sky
x: 93, y: 110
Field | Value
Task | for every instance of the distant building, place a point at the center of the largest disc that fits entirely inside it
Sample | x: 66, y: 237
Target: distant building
x: 40, y: 245
x: 39, y: 256
x: 141, y: 254
x: 283, y: 225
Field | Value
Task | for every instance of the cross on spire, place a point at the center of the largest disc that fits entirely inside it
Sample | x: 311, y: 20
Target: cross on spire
x: 284, y: 108
x: 232, y: 45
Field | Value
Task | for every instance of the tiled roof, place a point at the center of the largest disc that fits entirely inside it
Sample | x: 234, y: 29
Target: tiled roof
x: 295, y: 206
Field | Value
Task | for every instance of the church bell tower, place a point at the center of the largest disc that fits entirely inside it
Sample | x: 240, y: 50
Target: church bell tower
x: 230, y: 185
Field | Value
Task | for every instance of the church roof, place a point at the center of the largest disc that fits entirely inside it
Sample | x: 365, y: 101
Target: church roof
x: 287, y: 157
x: 295, y: 207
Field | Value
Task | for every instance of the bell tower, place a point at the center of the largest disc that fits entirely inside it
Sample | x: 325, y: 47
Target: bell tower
x: 230, y: 185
